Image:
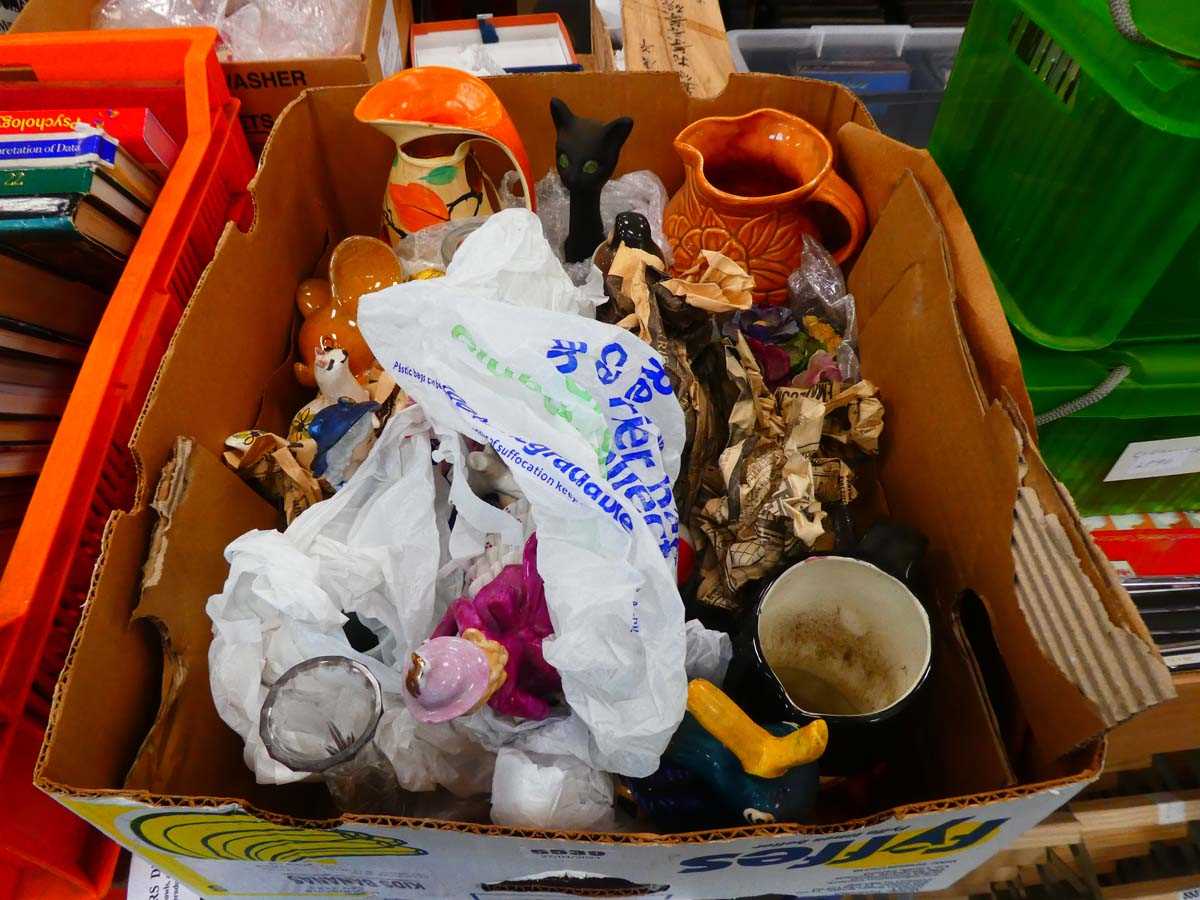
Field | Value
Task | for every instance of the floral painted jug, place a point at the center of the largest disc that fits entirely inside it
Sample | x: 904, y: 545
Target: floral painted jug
x: 435, y: 115
x: 753, y: 187
x: 424, y: 191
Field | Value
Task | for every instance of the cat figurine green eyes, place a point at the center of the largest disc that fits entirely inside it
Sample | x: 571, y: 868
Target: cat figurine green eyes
x: 586, y: 155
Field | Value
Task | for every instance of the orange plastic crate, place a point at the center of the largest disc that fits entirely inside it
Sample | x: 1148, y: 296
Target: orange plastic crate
x: 88, y: 472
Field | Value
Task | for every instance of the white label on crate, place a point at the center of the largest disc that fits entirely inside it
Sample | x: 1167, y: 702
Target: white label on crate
x: 1190, y: 894
x: 391, y: 54
x: 149, y: 883
x: 1180, y: 660
x: 1170, y: 811
x: 1123, y: 568
x: 1155, y: 459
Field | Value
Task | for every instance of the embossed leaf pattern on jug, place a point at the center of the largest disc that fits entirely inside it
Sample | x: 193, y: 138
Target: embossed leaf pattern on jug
x: 767, y: 246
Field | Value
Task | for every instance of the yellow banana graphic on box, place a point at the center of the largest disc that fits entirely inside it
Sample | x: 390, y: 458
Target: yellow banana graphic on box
x: 240, y: 836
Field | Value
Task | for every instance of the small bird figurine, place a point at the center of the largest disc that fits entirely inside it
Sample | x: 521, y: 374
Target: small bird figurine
x: 335, y: 381
x: 334, y: 426
x: 336, y: 420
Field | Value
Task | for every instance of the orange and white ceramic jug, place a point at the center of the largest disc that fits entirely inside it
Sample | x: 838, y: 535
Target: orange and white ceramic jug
x: 751, y: 185
x: 435, y: 115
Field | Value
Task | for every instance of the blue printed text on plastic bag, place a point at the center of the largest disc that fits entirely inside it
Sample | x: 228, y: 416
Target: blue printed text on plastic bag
x: 501, y: 350
x: 600, y: 386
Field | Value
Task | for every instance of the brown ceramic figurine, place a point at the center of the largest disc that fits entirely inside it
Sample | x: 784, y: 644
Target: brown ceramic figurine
x: 359, y: 265
x: 749, y: 183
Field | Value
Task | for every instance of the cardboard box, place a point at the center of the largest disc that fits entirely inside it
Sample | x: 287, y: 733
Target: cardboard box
x: 1039, y: 651
x: 537, y: 42
x: 265, y: 87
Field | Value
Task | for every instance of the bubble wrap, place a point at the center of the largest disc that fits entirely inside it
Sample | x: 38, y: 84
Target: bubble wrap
x: 640, y: 191
x: 250, y: 29
x: 817, y: 288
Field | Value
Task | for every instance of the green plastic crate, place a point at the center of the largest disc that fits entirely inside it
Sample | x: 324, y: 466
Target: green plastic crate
x: 1075, y: 154
x: 1160, y: 399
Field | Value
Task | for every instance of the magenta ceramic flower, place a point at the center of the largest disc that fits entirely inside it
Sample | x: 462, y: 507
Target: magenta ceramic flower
x: 773, y: 360
x: 821, y: 367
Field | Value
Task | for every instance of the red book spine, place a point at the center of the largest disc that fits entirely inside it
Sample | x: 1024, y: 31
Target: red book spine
x: 137, y: 130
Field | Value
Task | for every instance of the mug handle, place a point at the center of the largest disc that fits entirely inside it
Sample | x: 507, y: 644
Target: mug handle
x: 893, y: 547
x: 836, y: 193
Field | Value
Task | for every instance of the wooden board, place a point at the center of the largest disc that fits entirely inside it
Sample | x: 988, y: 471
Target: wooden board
x: 602, y: 48
x: 1140, y: 814
x: 1108, y: 828
x: 1159, y: 889
x: 1168, y: 727
x: 684, y: 36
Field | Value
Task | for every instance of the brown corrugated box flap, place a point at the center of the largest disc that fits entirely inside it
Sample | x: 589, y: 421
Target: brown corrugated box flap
x: 958, y: 465
x: 1048, y: 530
x: 201, y: 507
x: 177, y: 581
x: 979, y: 311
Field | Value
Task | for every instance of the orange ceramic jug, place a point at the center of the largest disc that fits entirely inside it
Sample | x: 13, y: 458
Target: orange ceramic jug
x: 751, y: 187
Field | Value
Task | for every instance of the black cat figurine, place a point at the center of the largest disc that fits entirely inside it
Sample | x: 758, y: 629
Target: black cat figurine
x: 586, y: 155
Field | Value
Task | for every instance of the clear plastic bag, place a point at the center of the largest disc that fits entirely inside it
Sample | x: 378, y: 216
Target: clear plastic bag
x: 433, y: 247
x: 291, y: 29
x: 640, y: 191
x: 818, y: 289
x: 250, y: 29
x: 159, y: 13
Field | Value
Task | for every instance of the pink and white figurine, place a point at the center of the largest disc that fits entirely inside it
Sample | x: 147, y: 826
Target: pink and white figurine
x: 448, y: 677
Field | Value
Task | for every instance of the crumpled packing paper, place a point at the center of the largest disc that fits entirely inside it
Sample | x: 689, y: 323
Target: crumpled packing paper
x: 672, y: 316
x: 714, y: 283
x: 767, y: 499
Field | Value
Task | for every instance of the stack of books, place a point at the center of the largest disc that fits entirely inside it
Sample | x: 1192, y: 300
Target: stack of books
x: 1170, y: 607
x: 76, y: 187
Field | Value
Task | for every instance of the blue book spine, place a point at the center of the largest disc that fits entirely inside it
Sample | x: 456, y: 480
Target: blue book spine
x: 46, y: 226
x: 58, y: 149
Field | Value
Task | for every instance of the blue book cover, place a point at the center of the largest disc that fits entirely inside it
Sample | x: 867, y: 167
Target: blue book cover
x: 23, y: 151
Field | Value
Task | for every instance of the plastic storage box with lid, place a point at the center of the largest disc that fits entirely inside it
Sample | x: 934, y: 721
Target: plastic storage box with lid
x: 1074, y: 151
x: 1158, y: 400
x: 900, y: 72
x: 88, y: 472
